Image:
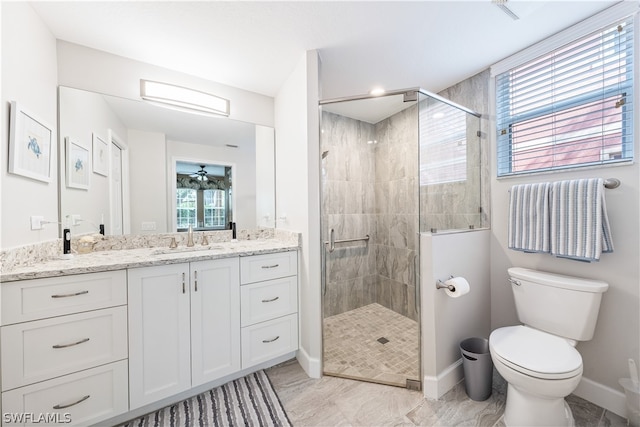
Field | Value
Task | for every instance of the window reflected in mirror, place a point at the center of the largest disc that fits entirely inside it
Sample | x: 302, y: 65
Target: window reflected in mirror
x: 203, y: 196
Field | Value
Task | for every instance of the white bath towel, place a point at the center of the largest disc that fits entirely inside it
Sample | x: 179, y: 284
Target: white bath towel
x: 580, y: 227
x: 528, y: 225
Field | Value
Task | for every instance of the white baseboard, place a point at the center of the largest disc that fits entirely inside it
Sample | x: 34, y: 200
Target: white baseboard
x: 436, y: 387
x: 312, y: 366
x: 606, y: 397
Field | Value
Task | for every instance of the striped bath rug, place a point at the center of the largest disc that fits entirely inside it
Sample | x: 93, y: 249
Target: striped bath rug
x: 247, y: 401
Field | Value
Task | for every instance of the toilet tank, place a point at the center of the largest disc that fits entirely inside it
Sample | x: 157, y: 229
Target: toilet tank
x: 561, y: 305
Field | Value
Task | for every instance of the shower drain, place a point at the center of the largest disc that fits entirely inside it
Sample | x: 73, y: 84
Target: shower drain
x: 382, y: 340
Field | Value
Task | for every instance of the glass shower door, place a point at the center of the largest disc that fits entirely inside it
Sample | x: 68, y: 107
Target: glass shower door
x: 369, y: 152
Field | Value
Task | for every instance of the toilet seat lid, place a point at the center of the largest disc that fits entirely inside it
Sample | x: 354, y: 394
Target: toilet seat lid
x: 535, y: 352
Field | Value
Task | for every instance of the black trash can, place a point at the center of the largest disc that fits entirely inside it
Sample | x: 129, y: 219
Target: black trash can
x: 478, y: 368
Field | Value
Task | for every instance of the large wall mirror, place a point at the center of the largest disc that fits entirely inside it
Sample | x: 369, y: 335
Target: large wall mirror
x: 130, y: 165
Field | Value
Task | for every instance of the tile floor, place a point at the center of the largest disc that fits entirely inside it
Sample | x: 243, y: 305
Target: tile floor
x: 332, y: 401
x: 352, y: 349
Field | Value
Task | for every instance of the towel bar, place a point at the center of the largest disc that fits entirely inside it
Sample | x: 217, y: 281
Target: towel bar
x: 609, y: 183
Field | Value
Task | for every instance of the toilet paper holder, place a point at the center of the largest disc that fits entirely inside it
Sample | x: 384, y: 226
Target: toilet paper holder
x: 441, y: 285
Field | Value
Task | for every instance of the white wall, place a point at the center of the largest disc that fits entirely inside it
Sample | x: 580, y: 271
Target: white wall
x: 85, y: 68
x: 446, y: 321
x: 29, y: 77
x: 148, y: 184
x: 617, y: 332
x: 297, y: 194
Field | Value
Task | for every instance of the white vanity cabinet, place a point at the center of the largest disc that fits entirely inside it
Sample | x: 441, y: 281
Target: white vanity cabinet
x: 184, y: 327
x: 269, y: 295
x: 64, y: 348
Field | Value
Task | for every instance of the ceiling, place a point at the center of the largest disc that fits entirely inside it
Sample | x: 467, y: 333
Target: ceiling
x: 362, y: 44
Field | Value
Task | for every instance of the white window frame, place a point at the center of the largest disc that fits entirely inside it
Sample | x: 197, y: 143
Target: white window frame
x: 582, y: 29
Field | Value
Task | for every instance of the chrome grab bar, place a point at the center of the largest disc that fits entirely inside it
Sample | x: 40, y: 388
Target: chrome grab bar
x: 332, y: 241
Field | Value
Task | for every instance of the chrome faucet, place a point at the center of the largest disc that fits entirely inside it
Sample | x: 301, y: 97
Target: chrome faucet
x: 190, y: 236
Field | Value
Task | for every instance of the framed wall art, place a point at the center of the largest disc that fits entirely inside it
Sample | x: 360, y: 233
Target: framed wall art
x: 30, y: 145
x: 78, y: 165
x: 100, y: 156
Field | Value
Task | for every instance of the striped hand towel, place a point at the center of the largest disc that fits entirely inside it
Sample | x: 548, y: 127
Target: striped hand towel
x: 529, y: 217
x: 580, y: 227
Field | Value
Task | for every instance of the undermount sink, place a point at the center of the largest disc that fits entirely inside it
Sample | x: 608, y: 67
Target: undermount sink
x: 182, y: 249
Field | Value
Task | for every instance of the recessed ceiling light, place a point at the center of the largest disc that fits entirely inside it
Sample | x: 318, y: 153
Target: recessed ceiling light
x: 376, y: 91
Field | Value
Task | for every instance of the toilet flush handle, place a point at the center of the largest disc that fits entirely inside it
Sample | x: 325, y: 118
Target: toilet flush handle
x: 514, y: 282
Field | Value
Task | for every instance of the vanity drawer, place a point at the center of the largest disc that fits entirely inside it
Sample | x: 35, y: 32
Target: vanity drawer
x: 269, y: 266
x: 269, y: 299
x: 79, y: 399
x: 44, y: 349
x: 55, y: 296
x: 264, y: 341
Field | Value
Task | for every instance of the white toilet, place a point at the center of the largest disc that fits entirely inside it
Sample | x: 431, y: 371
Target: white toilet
x: 538, y: 359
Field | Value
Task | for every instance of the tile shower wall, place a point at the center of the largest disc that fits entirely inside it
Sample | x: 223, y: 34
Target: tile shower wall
x: 371, y: 189
x: 348, y: 206
x: 397, y: 211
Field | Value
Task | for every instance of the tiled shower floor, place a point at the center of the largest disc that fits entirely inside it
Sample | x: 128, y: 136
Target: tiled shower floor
x: 352, y: 349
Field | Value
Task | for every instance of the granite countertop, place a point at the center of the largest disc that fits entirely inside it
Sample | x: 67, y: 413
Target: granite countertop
x: 145, y: 257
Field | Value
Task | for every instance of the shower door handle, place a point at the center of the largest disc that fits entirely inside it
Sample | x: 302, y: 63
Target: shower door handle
x: 416, y: 274
x: 332, y: 240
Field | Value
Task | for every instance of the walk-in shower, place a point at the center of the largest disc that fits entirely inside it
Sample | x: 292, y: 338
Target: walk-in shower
x: 392, y: 166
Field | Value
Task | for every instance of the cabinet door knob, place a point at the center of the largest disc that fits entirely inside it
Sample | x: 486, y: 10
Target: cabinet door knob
x: 271, y: 300
x: 183, y: 288
x: 195, y: 274
x: 270, y: 266
x: 271, y: 340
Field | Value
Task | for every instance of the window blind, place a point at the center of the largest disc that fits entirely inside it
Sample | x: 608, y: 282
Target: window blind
x: 568, y: 108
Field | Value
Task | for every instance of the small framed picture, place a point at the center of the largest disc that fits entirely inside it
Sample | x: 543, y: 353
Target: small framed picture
x: 100, y: 156
x: 78, y: 165
x: 30, y: 145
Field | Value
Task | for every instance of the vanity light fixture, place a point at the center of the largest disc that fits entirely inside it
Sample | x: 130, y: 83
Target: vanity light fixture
x: 376, y: 91
x: 183, y: 99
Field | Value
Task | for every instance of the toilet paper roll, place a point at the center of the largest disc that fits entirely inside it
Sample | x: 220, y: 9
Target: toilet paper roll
x: 460, y: 284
